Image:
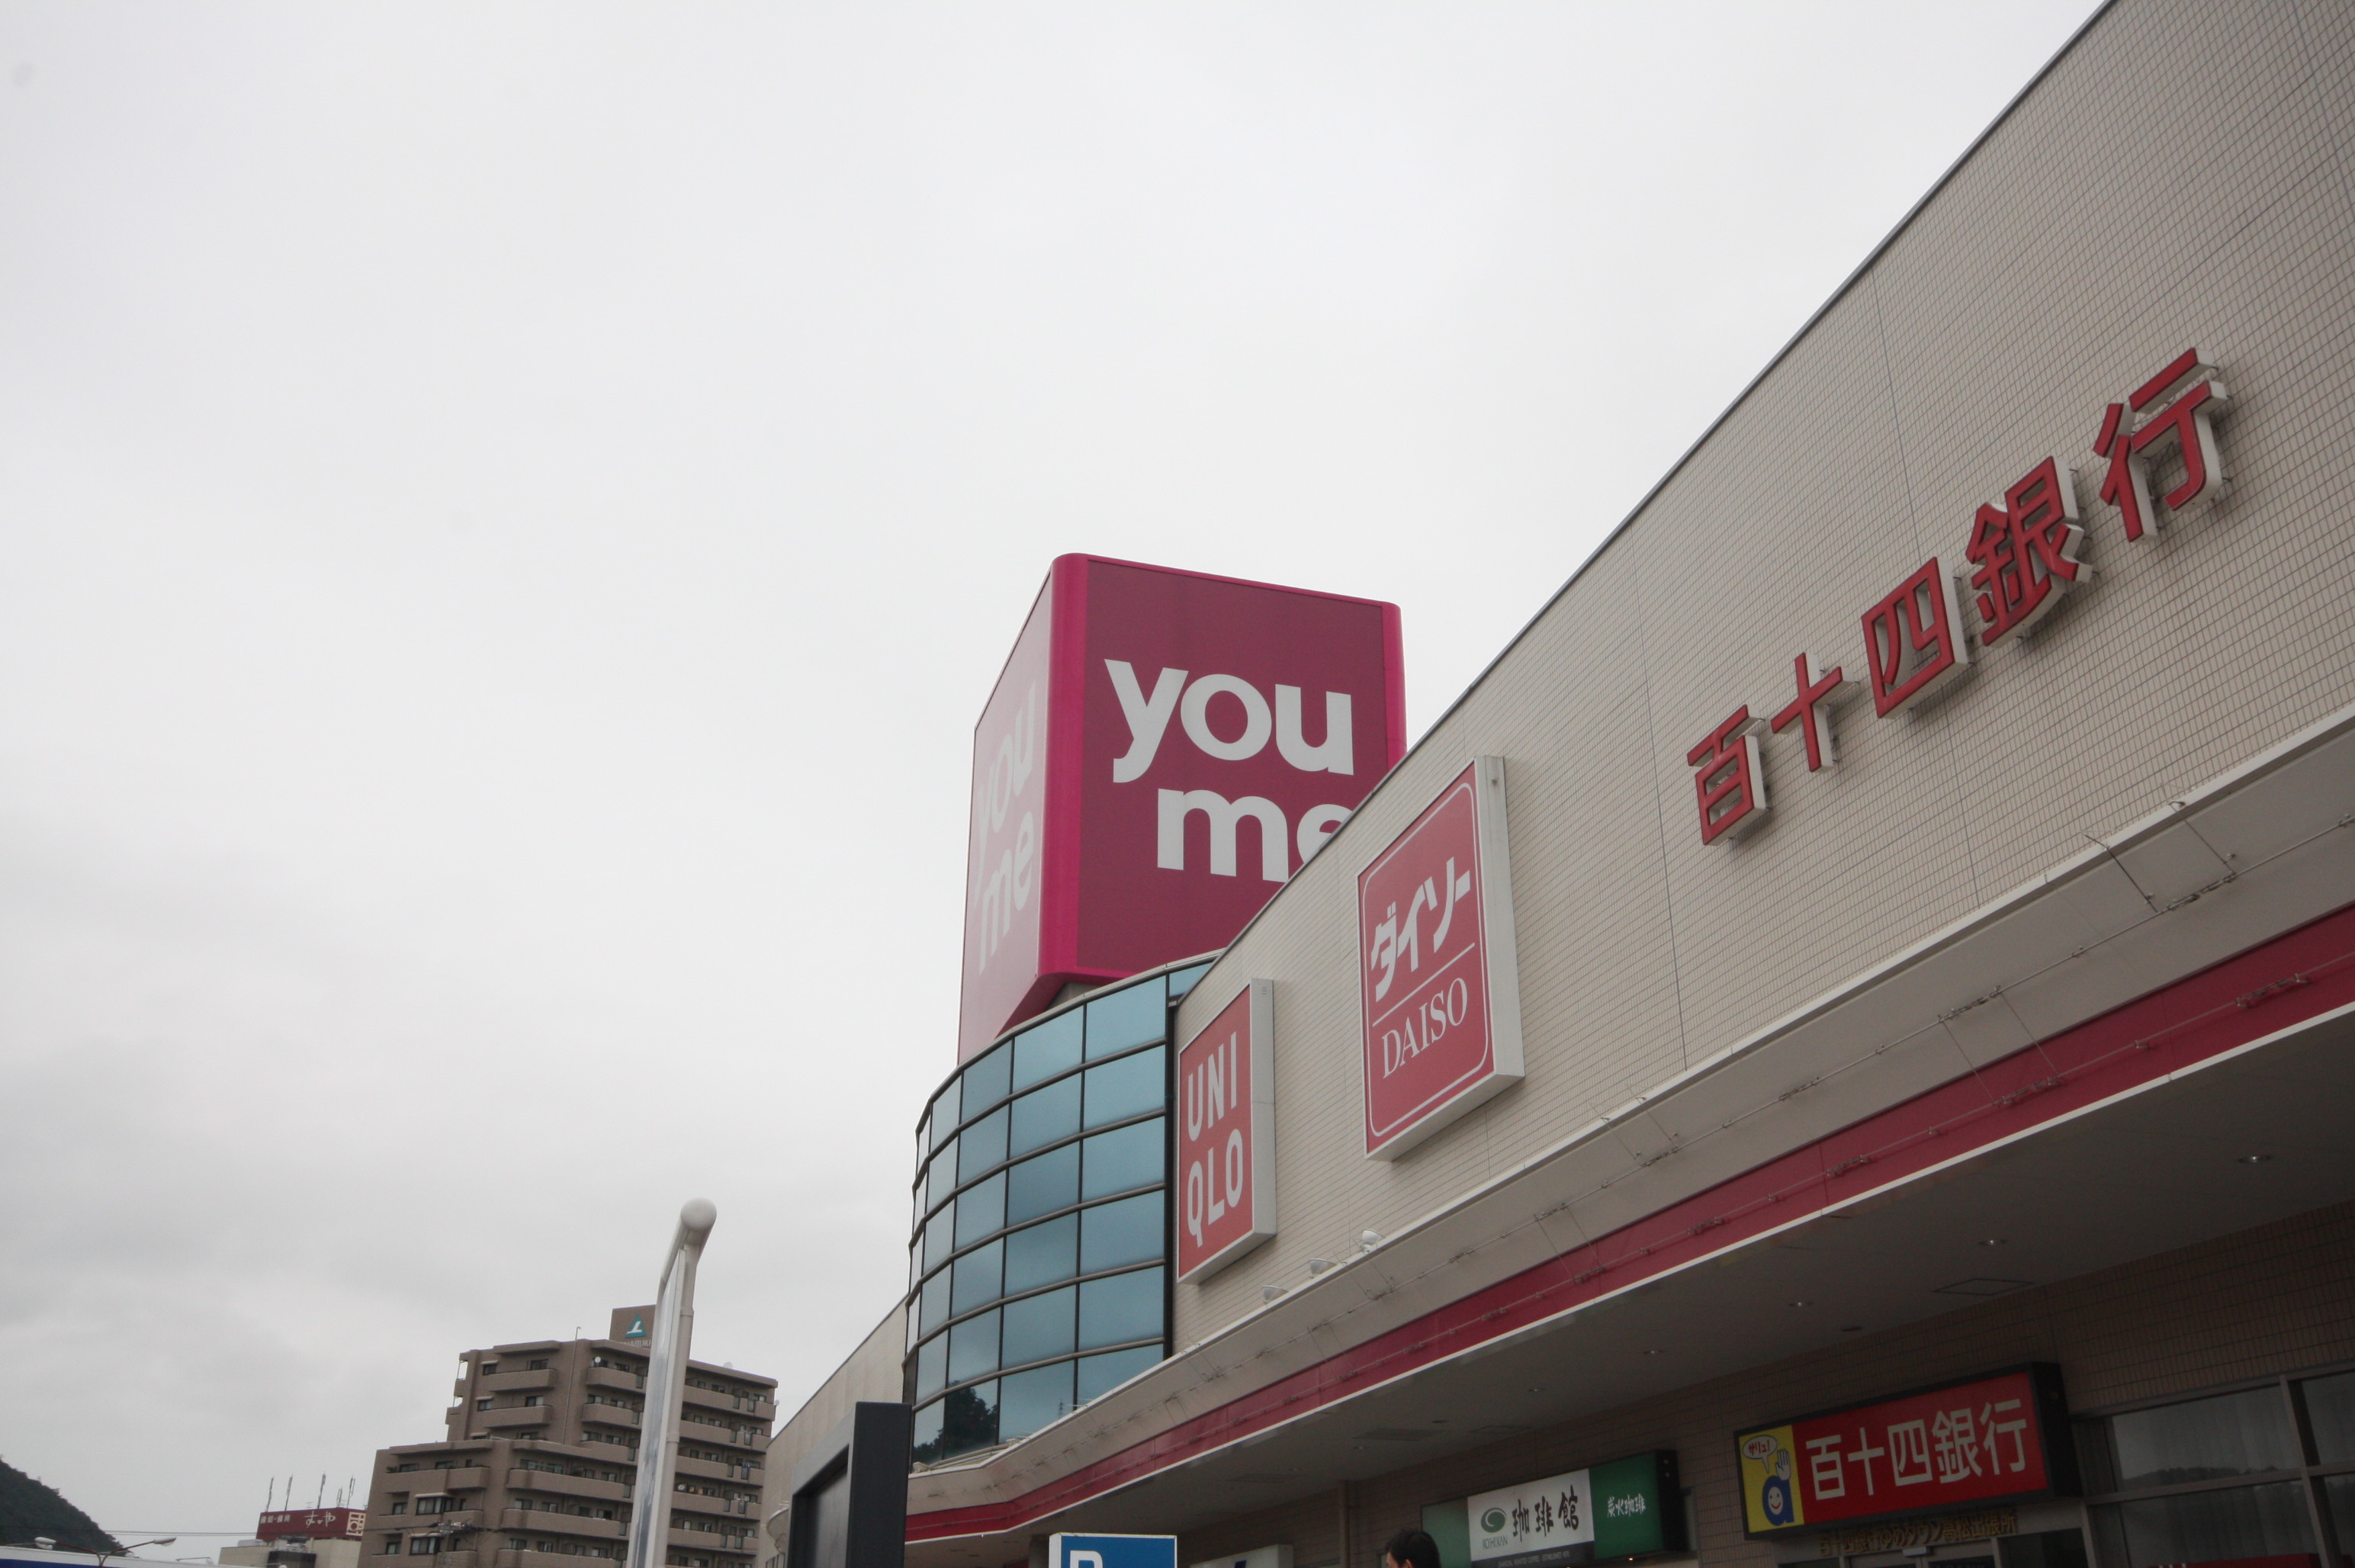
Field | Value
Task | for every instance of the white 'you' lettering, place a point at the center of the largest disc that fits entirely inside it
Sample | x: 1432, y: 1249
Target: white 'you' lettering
x: 1149, y: 717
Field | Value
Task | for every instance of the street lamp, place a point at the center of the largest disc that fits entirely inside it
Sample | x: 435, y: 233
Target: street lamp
x: 159, y: 1541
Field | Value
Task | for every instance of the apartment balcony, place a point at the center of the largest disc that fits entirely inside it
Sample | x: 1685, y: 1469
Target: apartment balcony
x: 697, y: 1502
x: 508, y: 1557
x: 569, y: 1485
x: 735, y: 1405
x: 697, y: 1427
x: 510, y: 1415
x: 612, y: 1415
x: 546, y: 1522
x: 741, y: 1543
x: 749, y: 1471
x: 426, y: 1478
x: 614, y: 1378
x: 513, y: 1382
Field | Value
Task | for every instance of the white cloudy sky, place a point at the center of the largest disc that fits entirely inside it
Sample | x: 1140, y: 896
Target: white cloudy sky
x: 507, y: 514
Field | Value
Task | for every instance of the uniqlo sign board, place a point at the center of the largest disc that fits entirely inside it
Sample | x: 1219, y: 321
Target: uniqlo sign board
x: 1439, y: 983
x: 1226, y: 1134
x: 2003, y: 1438
x: 1161, y: 752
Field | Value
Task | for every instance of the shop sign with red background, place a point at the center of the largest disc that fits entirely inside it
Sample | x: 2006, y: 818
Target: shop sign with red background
x: 313, y: 1524
x: 1162, y: 751
x: 1226, y: 1134
x: 1439, y: 984
x: 2003, y: 1438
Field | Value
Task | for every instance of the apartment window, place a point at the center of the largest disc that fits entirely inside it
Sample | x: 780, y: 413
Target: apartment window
x: 482, y: 1404
x: 519, y: 1543
x: 537, y: 1364
x: 2267, y: 1471
x: 400, y: 1504
x: 535, y: 1399
x: 425, y: 1546
x: 488, y: 1367
x: 433, y: 1505
x: 391, y: 1547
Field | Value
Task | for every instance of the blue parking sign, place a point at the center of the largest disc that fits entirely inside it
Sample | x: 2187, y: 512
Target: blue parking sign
x: 1111, y: 1551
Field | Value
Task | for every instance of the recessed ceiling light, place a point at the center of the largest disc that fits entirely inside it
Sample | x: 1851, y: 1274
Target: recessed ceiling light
x: 1651, y: 1353
x: 1993, y: 1242
x: 1803, y: 1304
x: 2254, y: 1158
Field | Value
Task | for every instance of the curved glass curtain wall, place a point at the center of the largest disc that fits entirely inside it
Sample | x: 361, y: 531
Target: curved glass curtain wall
x: 1038, y: 1259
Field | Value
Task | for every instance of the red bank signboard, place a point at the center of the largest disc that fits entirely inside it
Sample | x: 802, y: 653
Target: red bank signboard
x: 1439, y: 984
x: 1226, y: 1134
x: 2003, y: 1438
x: 1163, y: 750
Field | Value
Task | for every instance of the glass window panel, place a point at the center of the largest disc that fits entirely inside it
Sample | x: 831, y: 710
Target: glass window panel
x: 1040, y: 1053
x: 981, y: 1146
x: 2044, y: 1549
x: 1043, y: 1184
x: 972, y: 1348
x: 1028, y: 1401
x: 940, y: 1177
x: 1045, y: 1114
x: 2206, y: 1526
x: 1043, y: 1253
x: 1038, y: 1327
x: 2331, y: 1409
x: 1137, y: 1016
x: 924, y: 1134
x: 2232, y: 1435
x: 978, y: 1278
x: 912, y: 1329
x: 931, y: 1366
x: 922, y: 1189
x: 1099, y: 1375
x: 2339, y: 1502
x: 944, y: 1115
x: 1125, y: 1306
x: 915, y: 1262
x: 1116, y: 1161
x: 986, y: 1081
x: 937, y: 1234
x: 969, y: 1419
x: 1128, y: 1232
x: 981, y: 1209
x: 935, y: 1310
x: 1183, y: 981
x: 926, y: 1446
x: 1129, y: 1087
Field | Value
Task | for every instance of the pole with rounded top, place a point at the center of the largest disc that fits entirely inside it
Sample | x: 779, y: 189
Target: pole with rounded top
x: 674, y: 1333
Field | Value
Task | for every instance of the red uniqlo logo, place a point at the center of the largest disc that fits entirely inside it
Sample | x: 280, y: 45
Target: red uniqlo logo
x: 1437, y: 985
x: 1226, y: 1127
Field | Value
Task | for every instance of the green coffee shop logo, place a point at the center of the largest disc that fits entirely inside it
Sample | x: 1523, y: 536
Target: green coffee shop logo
x: 1493, y: 1521
x: 1624, y: 1507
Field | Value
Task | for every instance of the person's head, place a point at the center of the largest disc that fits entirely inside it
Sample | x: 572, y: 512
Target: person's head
x: 1409, y: 1549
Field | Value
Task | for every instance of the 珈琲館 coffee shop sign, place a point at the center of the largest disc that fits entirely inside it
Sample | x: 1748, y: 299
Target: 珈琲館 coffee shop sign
x: 1997, y: 1439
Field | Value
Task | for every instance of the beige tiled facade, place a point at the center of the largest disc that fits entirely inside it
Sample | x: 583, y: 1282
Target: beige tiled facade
x: 2156, y: 785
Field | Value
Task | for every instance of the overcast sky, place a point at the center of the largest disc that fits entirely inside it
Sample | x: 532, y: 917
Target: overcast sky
x: 509, y: 515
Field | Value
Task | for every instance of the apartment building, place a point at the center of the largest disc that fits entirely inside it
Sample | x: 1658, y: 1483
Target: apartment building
x: 540, y: 1459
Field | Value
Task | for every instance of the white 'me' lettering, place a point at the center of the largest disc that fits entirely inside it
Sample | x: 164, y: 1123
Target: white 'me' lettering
x: 1274, y: 841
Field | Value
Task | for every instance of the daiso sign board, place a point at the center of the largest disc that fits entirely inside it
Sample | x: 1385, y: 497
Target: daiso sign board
x: 1439, y: 984
x: 1163, y: 749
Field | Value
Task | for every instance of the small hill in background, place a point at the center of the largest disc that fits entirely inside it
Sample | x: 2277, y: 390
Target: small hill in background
x: 30, y: 1508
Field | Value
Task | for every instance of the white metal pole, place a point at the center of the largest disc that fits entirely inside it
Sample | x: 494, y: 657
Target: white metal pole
x: 667, y: 1386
